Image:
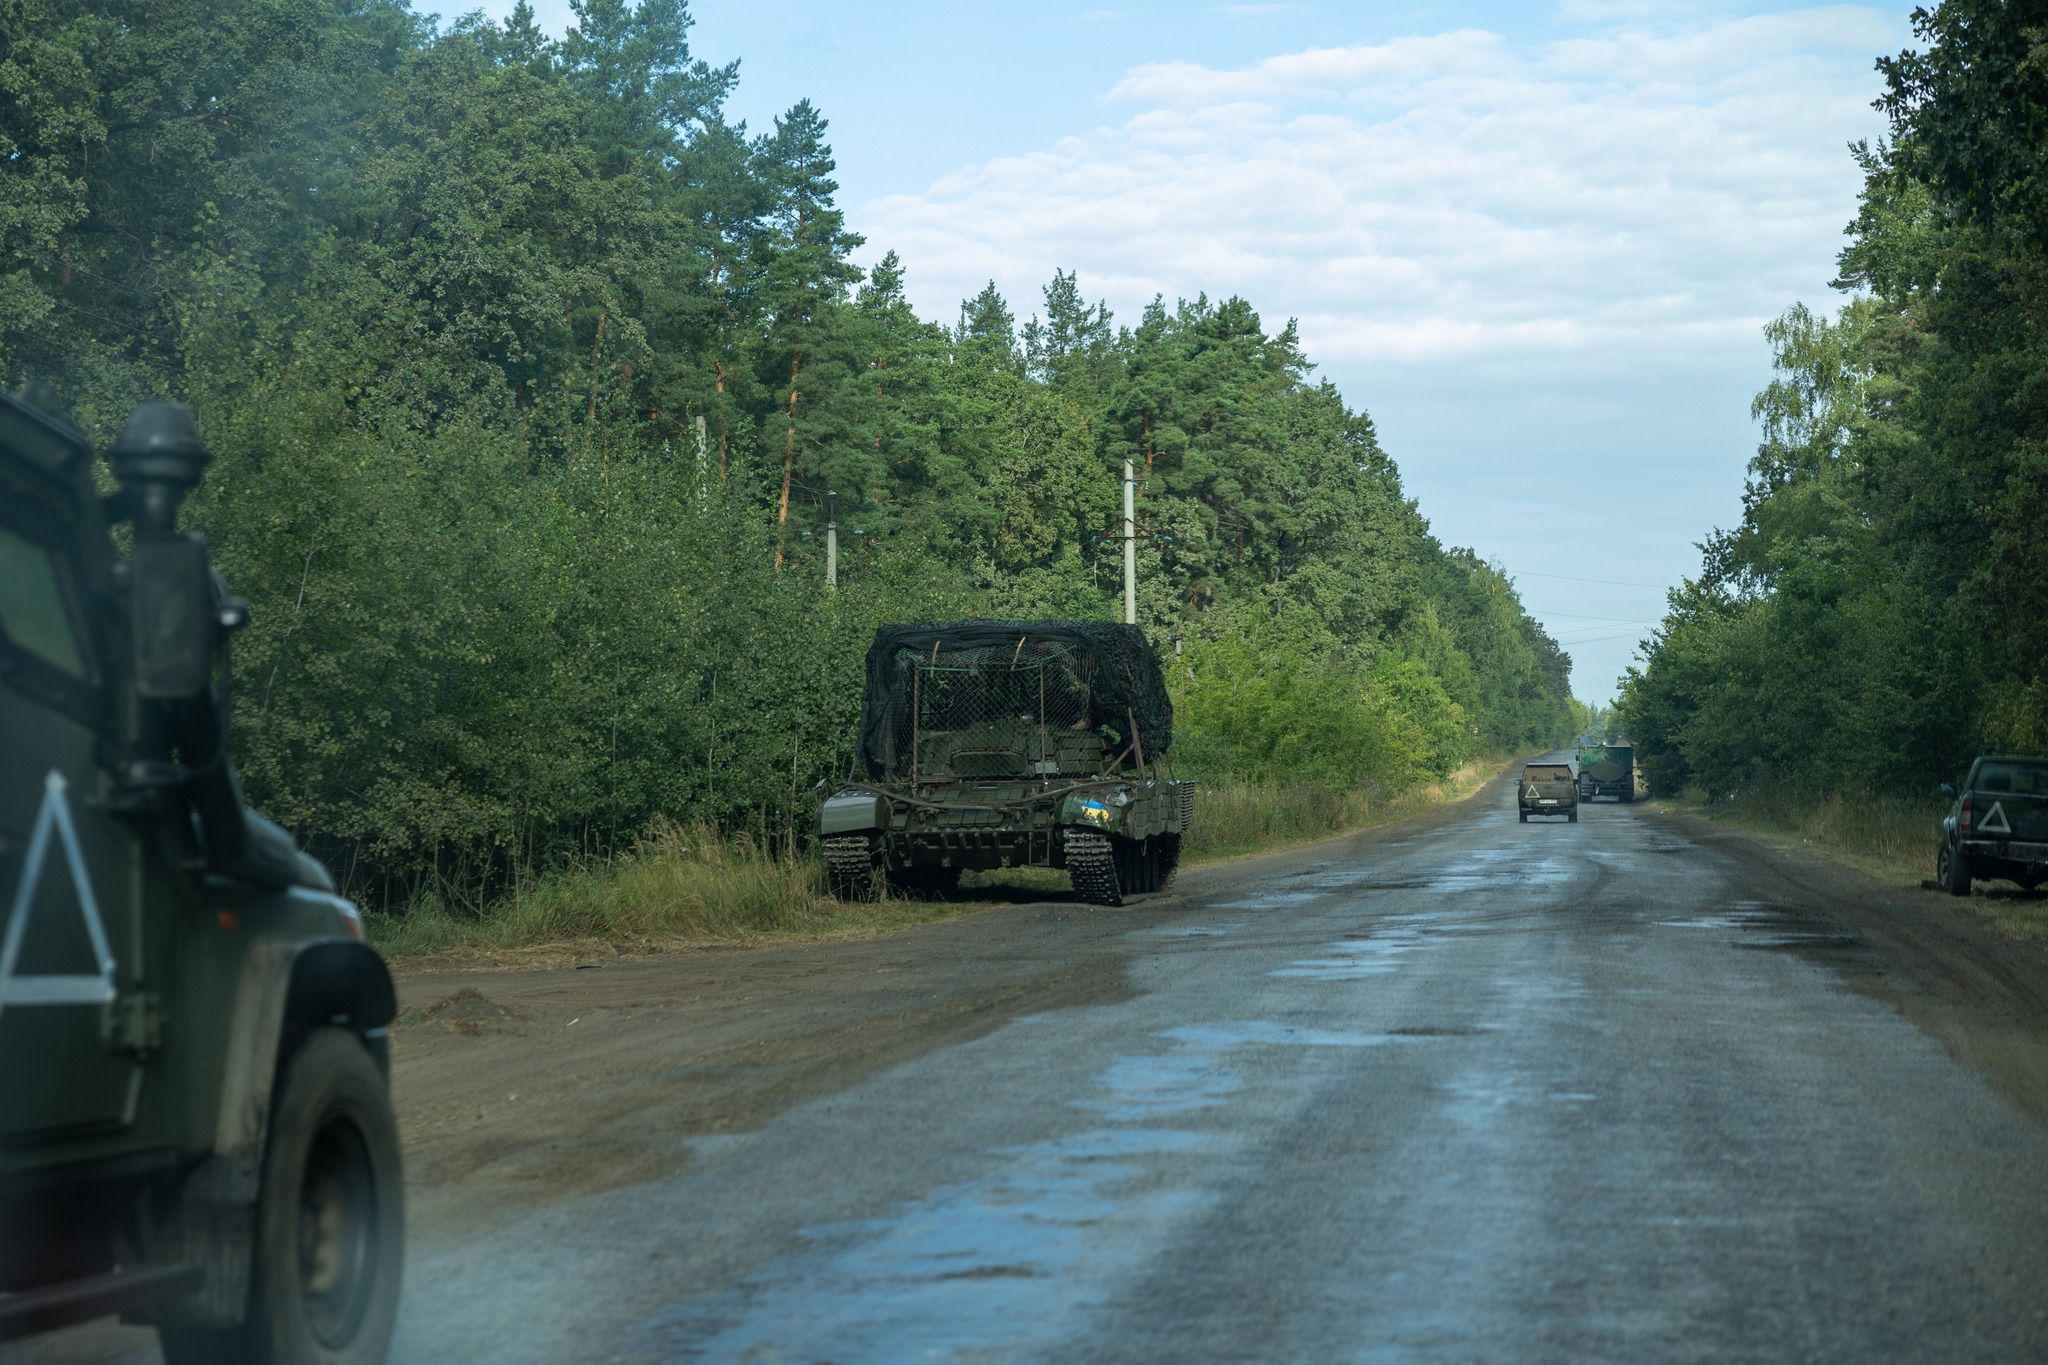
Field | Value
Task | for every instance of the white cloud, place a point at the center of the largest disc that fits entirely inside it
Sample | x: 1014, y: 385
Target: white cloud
x: 1439, y: 195
x: 1596, y: 11
x: 1541, y: 267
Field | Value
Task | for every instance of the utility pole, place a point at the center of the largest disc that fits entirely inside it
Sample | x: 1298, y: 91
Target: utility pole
x: 831, y: 540
x: 1130, y: 544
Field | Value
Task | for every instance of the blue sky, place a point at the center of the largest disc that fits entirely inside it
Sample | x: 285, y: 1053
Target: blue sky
x: 1537, y: 242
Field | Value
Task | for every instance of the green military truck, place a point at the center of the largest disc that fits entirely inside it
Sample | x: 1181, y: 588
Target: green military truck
x: 1997, y: 825
x: 990, y: 744
x: 1607, y: 770
x: 196, y: 1131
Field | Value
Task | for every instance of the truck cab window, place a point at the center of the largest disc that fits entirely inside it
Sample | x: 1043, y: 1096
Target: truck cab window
x: 35, y: 615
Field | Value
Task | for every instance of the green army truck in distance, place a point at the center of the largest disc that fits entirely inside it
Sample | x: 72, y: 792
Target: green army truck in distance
x: 992, y: 744
x: 1607, y: 770
x: 196, y: 1127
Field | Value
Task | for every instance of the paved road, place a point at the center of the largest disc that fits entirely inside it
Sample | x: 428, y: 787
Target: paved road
x: 1490, y: 1091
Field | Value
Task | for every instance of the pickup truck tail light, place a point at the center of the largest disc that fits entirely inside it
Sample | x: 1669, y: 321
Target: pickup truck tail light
x: 1963, y: 816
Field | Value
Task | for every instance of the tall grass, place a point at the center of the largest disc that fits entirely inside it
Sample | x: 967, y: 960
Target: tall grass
x: 678, y: 885
x: 682, y: 886
x: 1889, y: 837
x: 1233, y: 819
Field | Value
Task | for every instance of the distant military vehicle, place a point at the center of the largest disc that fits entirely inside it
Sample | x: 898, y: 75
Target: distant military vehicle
x: 196, y: 1126
x: 988, y: 744
x: 1547, y: 789
x: 1607, y: 770
x: 1997, y: 826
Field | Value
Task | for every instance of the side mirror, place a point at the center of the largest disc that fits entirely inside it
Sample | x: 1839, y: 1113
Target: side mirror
x: 1948, y: 789
x: 175, y: 621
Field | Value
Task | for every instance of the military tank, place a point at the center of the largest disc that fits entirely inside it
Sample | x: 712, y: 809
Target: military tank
x: 994, y: 744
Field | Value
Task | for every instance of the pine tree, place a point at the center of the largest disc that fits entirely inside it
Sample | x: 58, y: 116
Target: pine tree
x: 805, y: 269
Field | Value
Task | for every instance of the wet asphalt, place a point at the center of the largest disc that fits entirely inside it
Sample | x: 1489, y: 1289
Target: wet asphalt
x: 1492, y: 1091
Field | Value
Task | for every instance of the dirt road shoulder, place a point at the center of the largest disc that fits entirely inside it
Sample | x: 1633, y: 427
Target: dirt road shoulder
x: 531, y: 1083
x: 1981, y: 993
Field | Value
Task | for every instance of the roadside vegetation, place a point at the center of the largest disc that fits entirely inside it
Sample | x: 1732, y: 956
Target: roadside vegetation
x: 1887, y: 838
x: 698, y: 887
x: 1880, y: 614
x: 529, y: 375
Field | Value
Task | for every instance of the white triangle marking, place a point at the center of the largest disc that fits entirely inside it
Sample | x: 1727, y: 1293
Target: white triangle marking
x: 54, y: 820
x: 1997, y: 812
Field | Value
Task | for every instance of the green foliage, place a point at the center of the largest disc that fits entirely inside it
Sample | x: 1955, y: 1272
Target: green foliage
x: 530, y: 375
x: 1881, y: 614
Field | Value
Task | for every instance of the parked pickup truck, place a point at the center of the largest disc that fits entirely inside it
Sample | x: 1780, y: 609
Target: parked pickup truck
x: 1547, y: 789
x: 1998, y: 826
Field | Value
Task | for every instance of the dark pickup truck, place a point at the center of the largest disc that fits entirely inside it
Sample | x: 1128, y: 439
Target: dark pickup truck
x: 1998, y: 826
x: 1547, y: 789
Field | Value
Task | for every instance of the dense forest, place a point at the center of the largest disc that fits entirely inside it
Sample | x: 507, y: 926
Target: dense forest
x: 1880, y: 614
x: 528, y: 374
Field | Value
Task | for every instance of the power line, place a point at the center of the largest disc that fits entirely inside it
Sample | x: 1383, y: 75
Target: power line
x: 1596, y: 639
x: 1610, y: 582
x: 1581, y: 616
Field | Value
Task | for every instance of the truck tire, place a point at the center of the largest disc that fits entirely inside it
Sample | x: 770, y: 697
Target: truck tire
x: 1952, y: 870
x: 1524, y: 814
x: 1572, y: 816
x: 1628, y: 792
x: 330, y: 1222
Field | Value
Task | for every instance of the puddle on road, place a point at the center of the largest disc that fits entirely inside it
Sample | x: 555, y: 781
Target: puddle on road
x: 1775, y: 924
x: 1354, y: 960
x: 1268, y: 900
x: 1213, y: 1038
x: 1011, y: 1264
x: 1374, y: 951
x: 1490, y: 868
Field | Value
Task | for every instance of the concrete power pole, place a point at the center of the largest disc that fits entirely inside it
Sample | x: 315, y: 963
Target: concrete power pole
x: 831, y: 540
x: 1130, y: 545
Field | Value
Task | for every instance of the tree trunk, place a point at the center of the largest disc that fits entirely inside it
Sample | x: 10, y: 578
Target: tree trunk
x: 788, y: 459
x: 590, y: 407
x: 719, y: 366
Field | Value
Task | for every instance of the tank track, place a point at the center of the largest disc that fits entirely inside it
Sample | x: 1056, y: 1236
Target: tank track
x: 1169, y: 860
x: 1091, y: 863
x: 850, y: 868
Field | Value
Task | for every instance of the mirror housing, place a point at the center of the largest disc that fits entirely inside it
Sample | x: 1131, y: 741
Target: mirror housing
x: 1948, y: 789
x: 157, y: 459
x: 174, y: 618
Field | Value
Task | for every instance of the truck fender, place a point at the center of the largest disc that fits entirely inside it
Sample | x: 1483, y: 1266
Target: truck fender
x: 288, y: 988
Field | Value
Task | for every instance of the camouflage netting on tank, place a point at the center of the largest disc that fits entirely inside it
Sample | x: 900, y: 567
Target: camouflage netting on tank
x: 1006, y: 698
